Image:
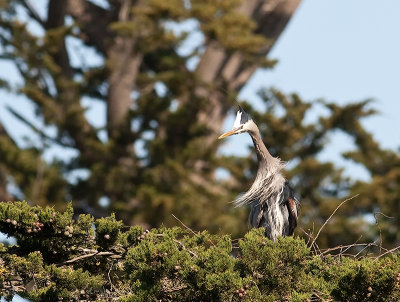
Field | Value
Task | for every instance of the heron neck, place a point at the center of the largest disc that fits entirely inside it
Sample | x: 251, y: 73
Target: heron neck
x: 265, y: 158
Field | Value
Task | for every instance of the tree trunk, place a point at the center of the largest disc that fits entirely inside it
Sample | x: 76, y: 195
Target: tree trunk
x: 4, y: 195
x: 217, y: 65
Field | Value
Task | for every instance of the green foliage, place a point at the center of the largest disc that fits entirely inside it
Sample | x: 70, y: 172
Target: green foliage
x: 367, y: 279
x: 174, y: 112
x: 175, y: 264
x: 65, y: 256
x: 107, y: 231
x: 55, y: 234
x: 277, y: 266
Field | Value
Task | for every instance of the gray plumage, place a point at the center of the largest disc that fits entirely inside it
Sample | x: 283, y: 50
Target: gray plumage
x: 271, y: 199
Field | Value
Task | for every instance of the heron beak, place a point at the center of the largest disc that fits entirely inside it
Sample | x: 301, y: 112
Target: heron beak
x: 229, y: 133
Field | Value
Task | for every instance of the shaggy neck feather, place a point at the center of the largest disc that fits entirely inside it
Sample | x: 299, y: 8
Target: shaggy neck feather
x: 269, y: 177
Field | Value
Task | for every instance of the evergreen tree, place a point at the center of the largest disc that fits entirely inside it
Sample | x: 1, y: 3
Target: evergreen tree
x: 173, y: 104
x: 177, y: 126
x: 62, y: 259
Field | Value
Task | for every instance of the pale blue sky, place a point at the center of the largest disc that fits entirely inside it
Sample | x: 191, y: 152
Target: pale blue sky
x: 340, y: 50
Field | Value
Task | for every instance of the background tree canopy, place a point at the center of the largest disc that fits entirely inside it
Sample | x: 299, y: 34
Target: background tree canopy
x: 157, y: 154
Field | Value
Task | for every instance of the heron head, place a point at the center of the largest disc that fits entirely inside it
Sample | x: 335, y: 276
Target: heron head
x: 243, y: 123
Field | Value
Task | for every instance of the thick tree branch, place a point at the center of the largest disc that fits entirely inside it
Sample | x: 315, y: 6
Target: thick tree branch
x: 216, y: 64
x: 32, y: 12
x: 35, y: 129
x: 93, y: 21
x: 124, y: 64
x: 75, y: 122
x: 55, y: 18
x: 4, y: 195
x: 83, y: 257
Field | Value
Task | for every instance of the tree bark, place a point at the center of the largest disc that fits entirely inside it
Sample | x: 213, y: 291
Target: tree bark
x: 74, y: 120
x: 216, y: 65
x: 93, y: 21
x: 4, y: 195
x: 124, y: 68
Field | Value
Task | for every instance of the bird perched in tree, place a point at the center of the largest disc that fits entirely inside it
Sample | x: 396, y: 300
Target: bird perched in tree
x: 271, y: 198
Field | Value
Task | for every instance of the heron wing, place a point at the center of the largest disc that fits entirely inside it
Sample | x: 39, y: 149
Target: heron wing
x: 292, y: 205
x: 292, y: 209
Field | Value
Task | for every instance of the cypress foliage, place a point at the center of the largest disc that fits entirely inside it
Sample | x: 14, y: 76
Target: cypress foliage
x: 59, y: 258
x: 172, y: 104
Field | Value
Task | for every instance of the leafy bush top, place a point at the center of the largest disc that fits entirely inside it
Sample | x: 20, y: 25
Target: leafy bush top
x: 60, y: 258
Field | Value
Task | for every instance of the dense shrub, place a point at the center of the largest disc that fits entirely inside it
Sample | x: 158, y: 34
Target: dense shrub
x: 60, y: 258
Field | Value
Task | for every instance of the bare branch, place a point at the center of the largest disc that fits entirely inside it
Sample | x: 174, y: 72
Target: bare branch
x: 93, y: 21
x: 79, y: 258
x: 186, y: 227
x: 35, y: 129
x: 367, y: 246
x: 329, y: 218
x: 388, y: 252
x: 384, y: 215
x: 350, y: 246
x: 184, y: 247
x: 4, y: 195
x: 218, y: 66
x: 341, y: 247
x: 37, y: 183
x: 194, y: 233
x: 33, y: 13
x: 379, y: 228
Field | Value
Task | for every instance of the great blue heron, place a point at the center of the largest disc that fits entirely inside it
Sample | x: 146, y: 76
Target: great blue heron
x: 271, y: 198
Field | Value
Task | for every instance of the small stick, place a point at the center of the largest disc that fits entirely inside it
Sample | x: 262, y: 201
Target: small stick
x: 387, y: 252
x: 184, y: 247
x: 367, y: 246
x: 351, y: 245
x: 194, y: 233
x: 346, y: 246
x: 329, y: 218
x: 87, y: 256
x: 380, y: 230
x: 309, y: 235
x: 180, y: 221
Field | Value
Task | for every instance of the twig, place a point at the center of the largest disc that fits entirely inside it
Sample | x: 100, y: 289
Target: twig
x: 237, y: 239
x: 316, y: 292
x: 236, y: 243
x: 32, y: 12
x: 384, y: 215
x: 379, y: 228
x: 180, y: 221
x: 351, y: 245
x: 194, y: 233
x: 181, y: 244
x: 255, y: 284
x: 367, y: 246
x: 174, y: 289
x: 109, y: 277
x: 309, y: 235
x: 76, y: 259
x: 387, y: 252
x: 184, y: 247
x: 329, y: 218
x: 346, y: 246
